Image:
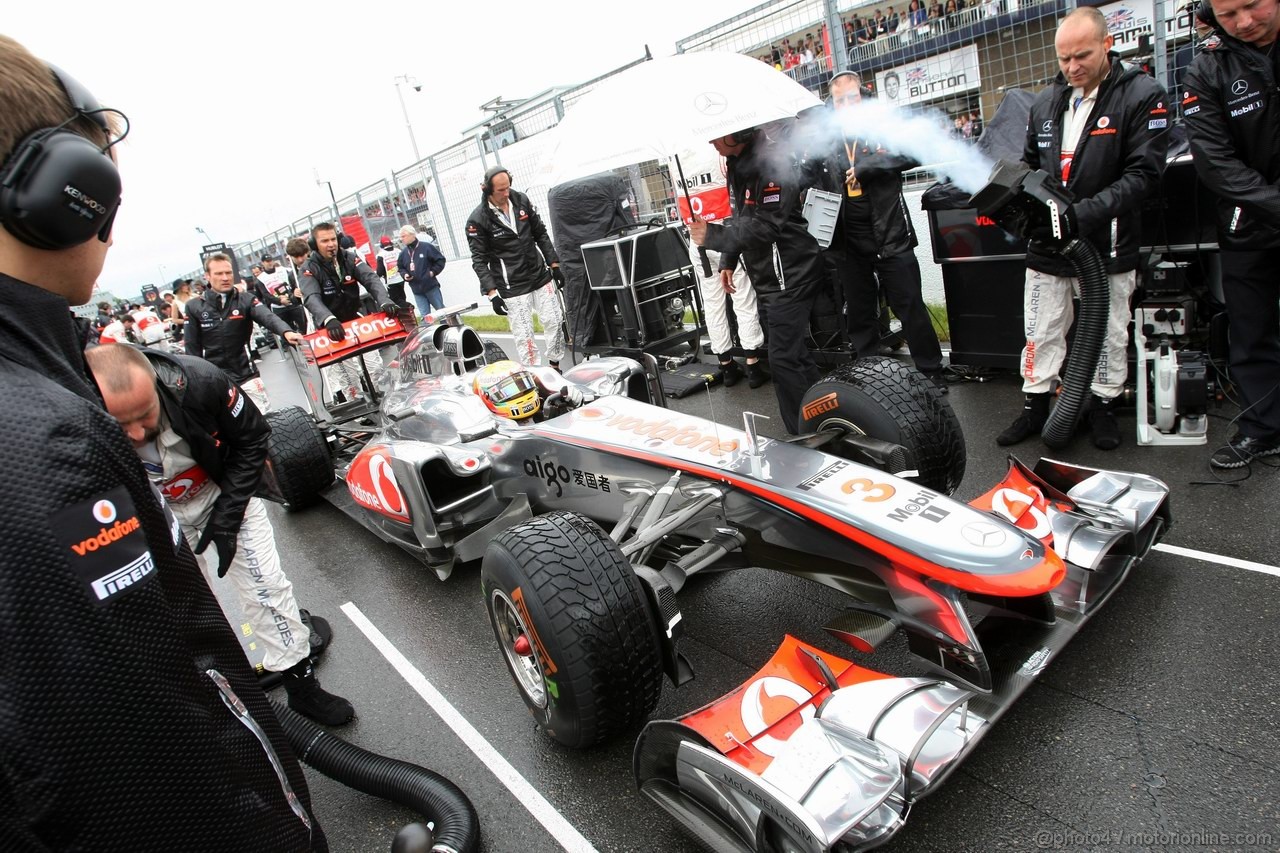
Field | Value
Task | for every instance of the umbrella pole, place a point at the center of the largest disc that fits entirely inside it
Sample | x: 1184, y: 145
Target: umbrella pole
x: 702, y: 252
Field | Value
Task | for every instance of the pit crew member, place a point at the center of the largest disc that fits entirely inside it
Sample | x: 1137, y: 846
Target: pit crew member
x: 876, y: 240
x: 219, y: 327
x: 771, y: 237
x: 277, y: 288
x: 511, y: 252
x: 331, y: 279
x: 1232, y: 110
x: 116, y: 735
x: 204, y: 445
x: 1103, y: 128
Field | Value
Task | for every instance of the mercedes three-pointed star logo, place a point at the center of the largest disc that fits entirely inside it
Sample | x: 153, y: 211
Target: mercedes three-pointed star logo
x: 1239, y: 87
x: 984, y: 534
x: 710, y: 103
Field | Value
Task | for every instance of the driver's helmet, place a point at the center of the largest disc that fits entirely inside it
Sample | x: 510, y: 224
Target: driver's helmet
x: 508, y: 389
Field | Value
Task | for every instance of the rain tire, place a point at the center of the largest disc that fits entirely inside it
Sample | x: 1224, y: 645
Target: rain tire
x: 594, y: 669
x: 299, y: 457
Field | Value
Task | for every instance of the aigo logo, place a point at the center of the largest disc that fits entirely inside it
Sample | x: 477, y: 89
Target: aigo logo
x: 371, y: 480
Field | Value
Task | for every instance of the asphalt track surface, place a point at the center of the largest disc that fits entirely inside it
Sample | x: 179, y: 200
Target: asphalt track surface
x: 1154, y: 730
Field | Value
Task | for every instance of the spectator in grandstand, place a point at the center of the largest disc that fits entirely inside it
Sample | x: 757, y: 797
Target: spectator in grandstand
x: 917, y: 13
x: 935, y: 12
x: 420, y: 262
x: 951, y: 10
x: 891, y: 20
x: 1093, y: 129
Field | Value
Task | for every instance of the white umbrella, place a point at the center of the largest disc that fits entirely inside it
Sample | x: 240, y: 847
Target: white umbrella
x: 668, y: 106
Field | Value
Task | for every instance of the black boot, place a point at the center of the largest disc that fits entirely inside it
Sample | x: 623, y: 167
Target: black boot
x: 309, y: 699
x: 1102, y: 423
x: 756, y: 375
x: 730, y: 372
x: 1035, y: 411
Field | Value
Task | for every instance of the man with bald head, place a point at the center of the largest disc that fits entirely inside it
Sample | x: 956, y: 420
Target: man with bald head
x: 1102, y: 129
x: 1232, y: 114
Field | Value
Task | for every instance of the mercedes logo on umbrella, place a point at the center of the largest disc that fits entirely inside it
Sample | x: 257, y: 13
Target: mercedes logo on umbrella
x: 710, y: 103
x: 983, y: 534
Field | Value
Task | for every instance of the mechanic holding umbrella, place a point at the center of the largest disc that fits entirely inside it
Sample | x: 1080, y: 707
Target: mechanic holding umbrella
x: 783, y: 259
x: 220, y: 324
x: 1232, y: 110
x: 171, y: 407
x: 331, y: 280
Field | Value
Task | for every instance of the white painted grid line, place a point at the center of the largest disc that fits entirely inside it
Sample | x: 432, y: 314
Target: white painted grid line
x: 560, y: 829
x: 1263, y: 568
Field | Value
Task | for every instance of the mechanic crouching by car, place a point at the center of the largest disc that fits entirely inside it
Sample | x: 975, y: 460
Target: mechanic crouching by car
x: 772, y: 238
x: 171, y: 407
x: 331, y: 279
x: 219, y: 327
x: 511, y: 252
x: 1102, y: 128
x: 1231, y: 106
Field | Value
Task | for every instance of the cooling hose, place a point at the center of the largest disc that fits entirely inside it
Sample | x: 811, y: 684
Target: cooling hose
x: 457, y: 828
x: 1091, y: 332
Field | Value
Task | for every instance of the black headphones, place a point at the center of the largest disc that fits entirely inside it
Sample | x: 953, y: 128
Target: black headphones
x: 57, y: 188
x: 492, y: 173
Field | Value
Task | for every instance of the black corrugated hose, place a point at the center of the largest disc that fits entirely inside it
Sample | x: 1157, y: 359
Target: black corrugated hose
x: 1091, y: 331
x: 457, y: 828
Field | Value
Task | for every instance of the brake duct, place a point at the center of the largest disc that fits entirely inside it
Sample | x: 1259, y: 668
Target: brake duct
x: 1018, y: 200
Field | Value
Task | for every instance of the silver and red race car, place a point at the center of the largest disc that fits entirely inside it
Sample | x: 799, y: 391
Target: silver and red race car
x: 590, y: 520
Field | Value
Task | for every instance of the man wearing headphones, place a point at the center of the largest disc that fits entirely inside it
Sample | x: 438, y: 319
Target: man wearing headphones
x: 510, y: 252
x: 1232, y: 113
x: 769, y: 233
x: 331, y: 281
x: 132, y: 720
x: 219, y: 327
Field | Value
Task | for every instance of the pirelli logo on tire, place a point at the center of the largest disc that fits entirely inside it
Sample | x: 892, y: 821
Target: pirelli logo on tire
x: 823, y: 404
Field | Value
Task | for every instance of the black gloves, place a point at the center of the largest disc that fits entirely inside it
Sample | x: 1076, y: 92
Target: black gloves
x: 334, y: 327
x: 499, y: 304
x: 558, y: 276
x: 391, y: 309
x: 1070, y: 228
x: 224, y: 541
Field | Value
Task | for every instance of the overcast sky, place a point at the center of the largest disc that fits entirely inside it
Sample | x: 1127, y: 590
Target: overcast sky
x: 234, y: 105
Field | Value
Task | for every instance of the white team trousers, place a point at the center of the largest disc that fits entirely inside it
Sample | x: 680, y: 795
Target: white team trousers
x: 265, y: 594
x: 257, y: 393
x: 520, y: 314
x: 744, y: 307
x: 1047, y: 313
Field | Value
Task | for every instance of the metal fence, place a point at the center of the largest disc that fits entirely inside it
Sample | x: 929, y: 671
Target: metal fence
x: 953, y: 58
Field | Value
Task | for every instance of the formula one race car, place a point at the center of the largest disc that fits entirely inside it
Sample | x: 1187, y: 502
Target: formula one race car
x: 591, y: 518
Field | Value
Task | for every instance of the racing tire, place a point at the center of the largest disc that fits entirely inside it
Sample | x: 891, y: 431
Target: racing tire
x: 493, y: 353
x: 885, y: 399
x: 299, y: 457
x: 590, y: 667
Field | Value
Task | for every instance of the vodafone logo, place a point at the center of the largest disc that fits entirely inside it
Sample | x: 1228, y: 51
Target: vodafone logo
x: 753, y: 709
x: 362, y: 328
x: 1105, y: 121
x: 1021, y: 509
x: 104, y: 511
x: 386, y: 487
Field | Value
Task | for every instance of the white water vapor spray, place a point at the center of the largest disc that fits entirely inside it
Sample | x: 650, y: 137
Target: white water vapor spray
x: 925, y: 137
